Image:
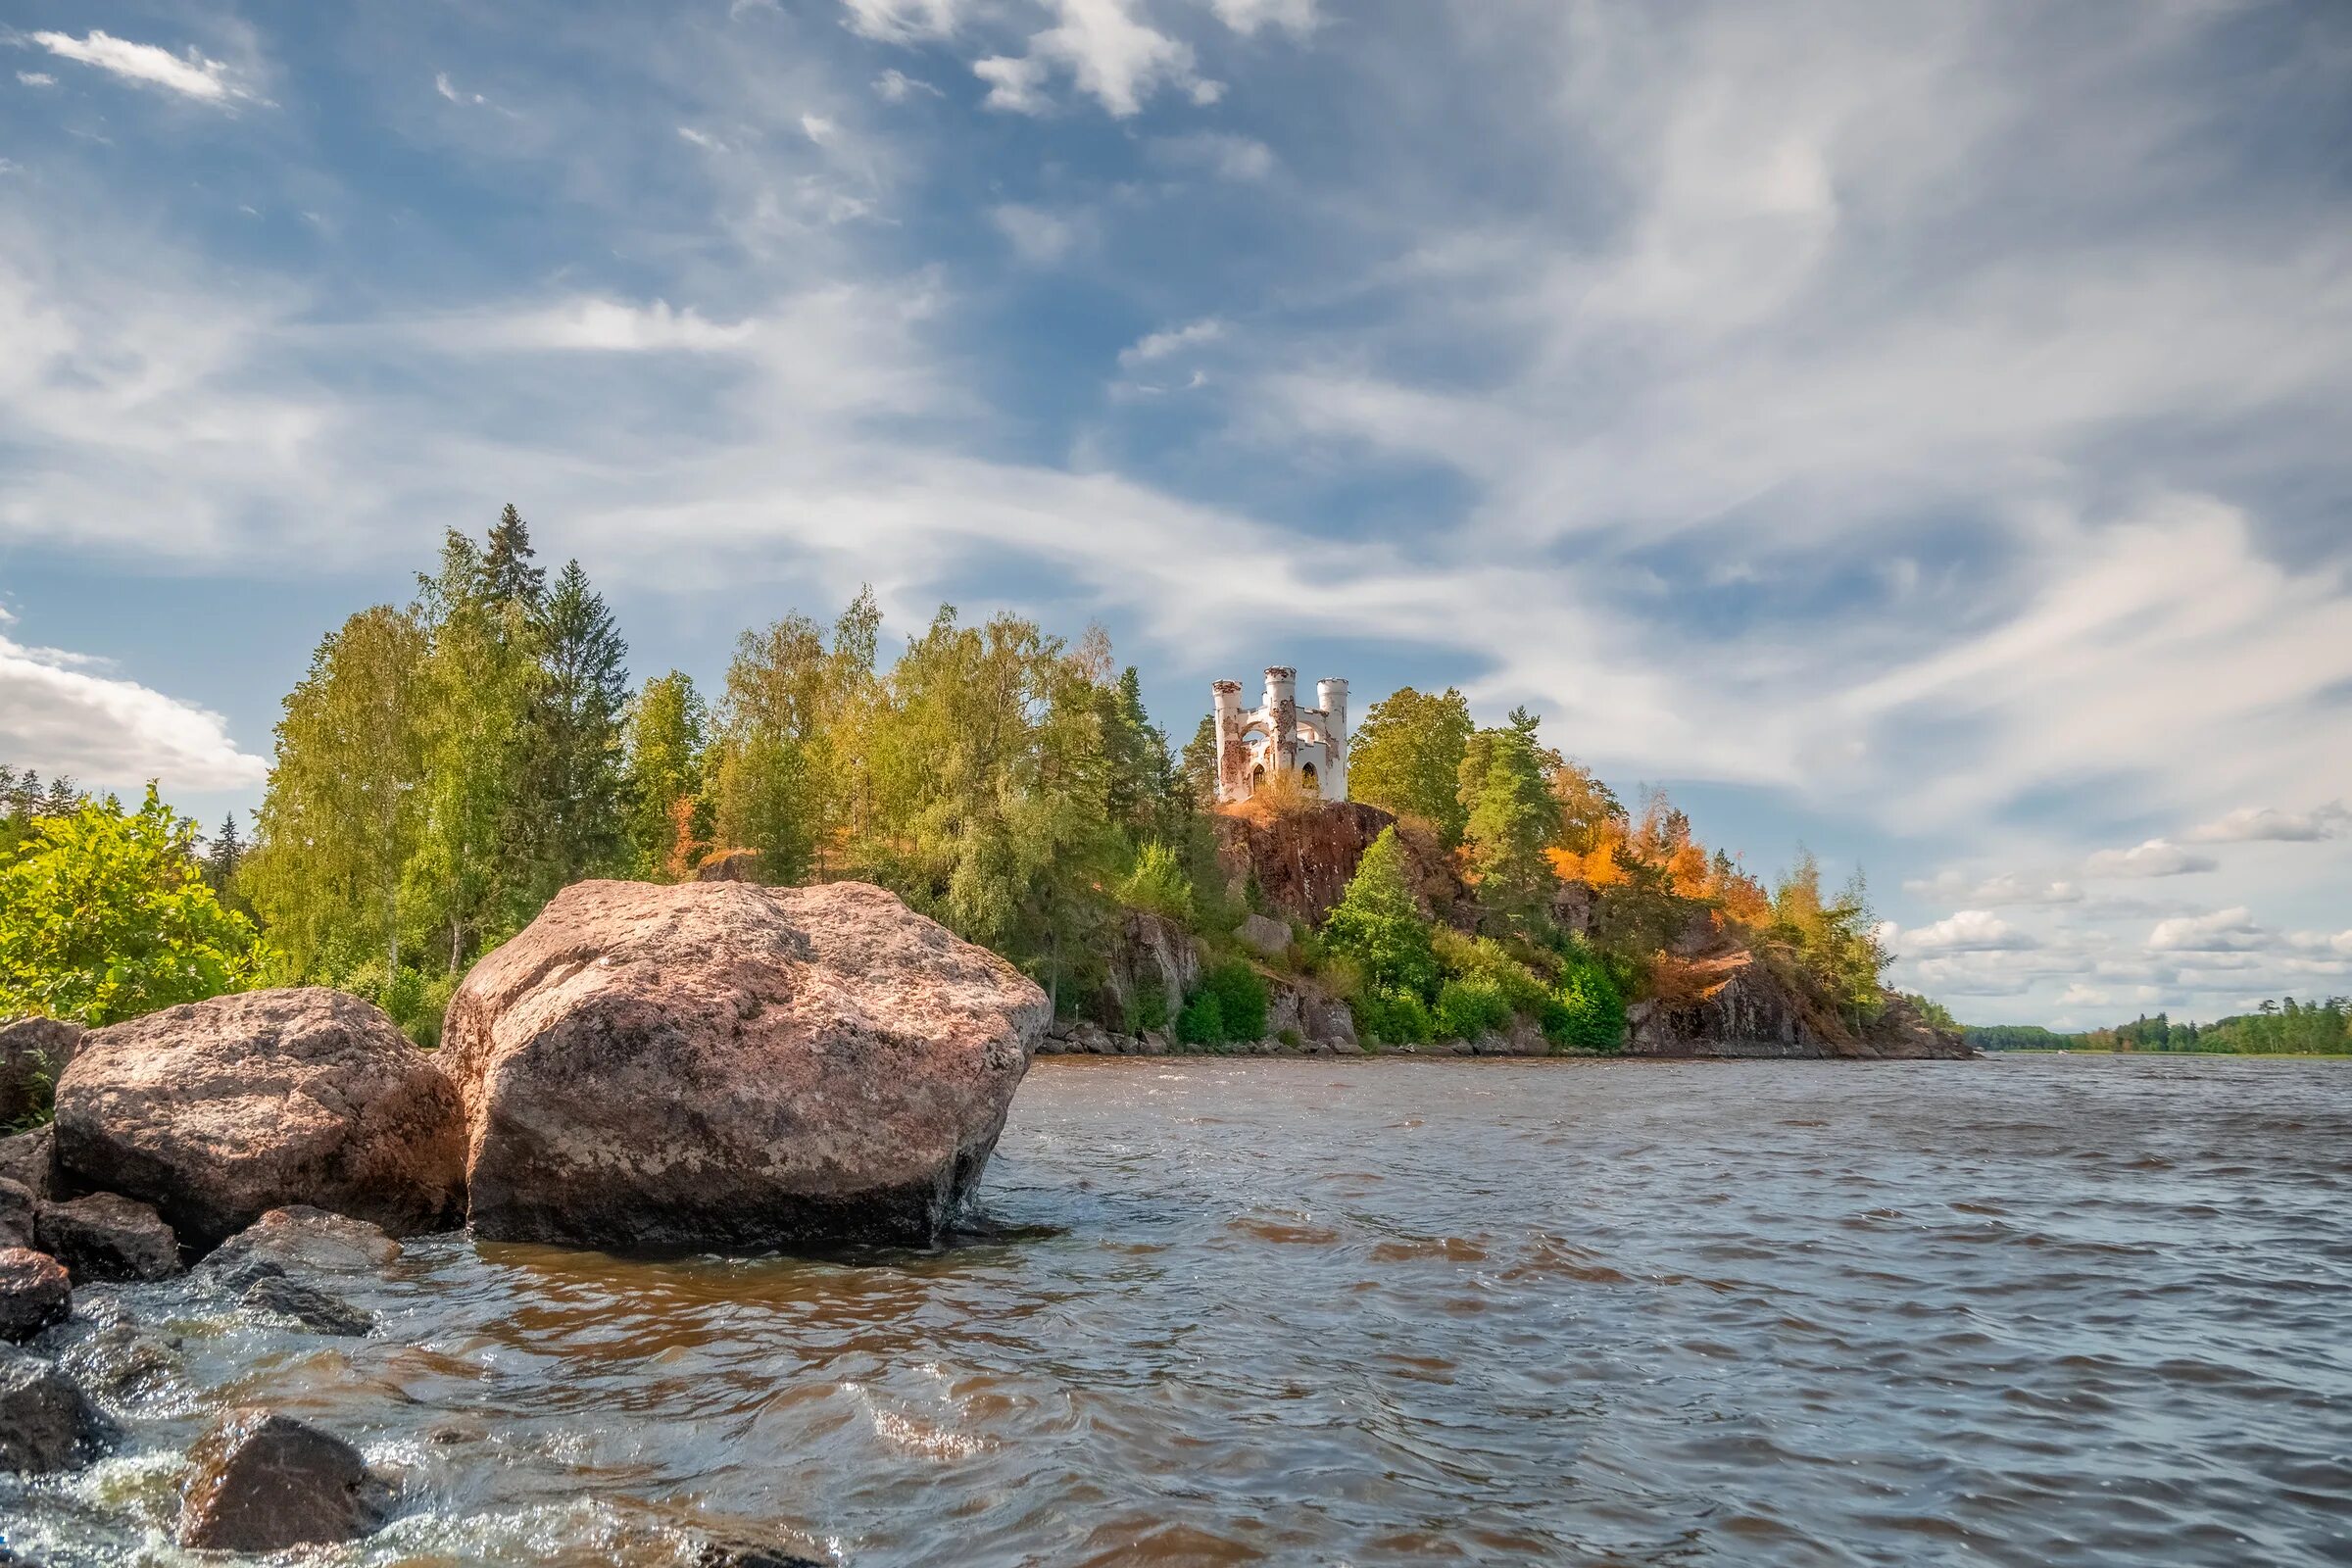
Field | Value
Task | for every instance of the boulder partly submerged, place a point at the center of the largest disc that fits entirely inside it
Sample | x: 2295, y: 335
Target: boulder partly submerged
x: 265, y: 1482
x: 727, y: 1066
x: 220, y: 1110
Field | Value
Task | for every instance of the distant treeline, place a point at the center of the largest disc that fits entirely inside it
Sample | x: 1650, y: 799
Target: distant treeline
x: 2276, y: 1028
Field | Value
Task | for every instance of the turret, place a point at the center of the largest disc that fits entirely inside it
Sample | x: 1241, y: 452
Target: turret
x: 1282, y: 719
x: 1332, y: 697
x: 1233, y: 762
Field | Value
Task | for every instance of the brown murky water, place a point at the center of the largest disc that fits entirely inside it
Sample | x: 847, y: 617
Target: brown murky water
x: 2025, y: 1311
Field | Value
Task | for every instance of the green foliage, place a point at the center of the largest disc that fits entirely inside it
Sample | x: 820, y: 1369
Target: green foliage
x: 105, y: 915
x: 1487, y: 960
x: 1392, y: 1017
x: 1202, y: 1020
x: 1377, y: 924
x: 2278, y: 1027
x: 1836, y: 941
x: 1511, y: 819
x: 1934, y: 1011
x: 665, y: 732
x: 1586, y: 1010
x: 1158, y: 883
x: 1147, y: 1009
x: 566, y: 814
x: 1471, y: 1007
x: 414, y: 998
x: 1406, y: 757
x: 1241, y: 995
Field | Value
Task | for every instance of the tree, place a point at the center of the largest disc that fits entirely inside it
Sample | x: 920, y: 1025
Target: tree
x: 105, y: 915
x: 1511, y: 819
x: 1140, y: 781
x: 1407, y: 757
x: 665, y: 728
x: 506, y: 576
x: 342, y: 815
x: 568, y: 803
x: 1196, y: 770
x: 1378, y: 925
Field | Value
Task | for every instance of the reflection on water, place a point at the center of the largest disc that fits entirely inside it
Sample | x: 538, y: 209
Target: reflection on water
x: 2037, y: 1311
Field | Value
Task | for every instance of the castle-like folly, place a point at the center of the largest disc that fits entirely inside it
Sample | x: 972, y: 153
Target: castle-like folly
x: 1280, y: 737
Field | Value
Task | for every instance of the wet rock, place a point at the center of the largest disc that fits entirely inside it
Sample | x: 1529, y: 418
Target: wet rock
x: 34, y: 1292
x: 264, y: 1481
x: 46, y: 1422
x: 123, y: 1362
x: 17, y: 1210
x: 34, y: 1053
x: 30, y: 1159
x: 108, y: 1236
x: 308, y: 1305
x: 299, y: 1240
x: 220, y: 1110
x: 1263, y: 935
x: 737, y: 1554
x: 724, y: 1064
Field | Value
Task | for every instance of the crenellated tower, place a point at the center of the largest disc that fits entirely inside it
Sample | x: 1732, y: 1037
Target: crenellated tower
x: 1280, y: 737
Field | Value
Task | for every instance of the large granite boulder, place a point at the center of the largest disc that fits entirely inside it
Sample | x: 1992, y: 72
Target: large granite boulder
x: 220, y: 1110
x: 108, y: 1236
x: 264, y: 1480
x: 34, y: 1054
x: 46, y: 1422
x: 724, y: 1064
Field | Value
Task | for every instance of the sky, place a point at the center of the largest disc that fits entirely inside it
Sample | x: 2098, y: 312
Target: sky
x: 1919, y: 433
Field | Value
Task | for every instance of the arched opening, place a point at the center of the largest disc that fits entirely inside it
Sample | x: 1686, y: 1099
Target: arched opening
x: 1306, y: 777
x: 1257, y: 778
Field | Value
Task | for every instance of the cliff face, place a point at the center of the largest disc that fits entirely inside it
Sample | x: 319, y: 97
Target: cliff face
x: 1735, y: 1004
x: 1302, y: 859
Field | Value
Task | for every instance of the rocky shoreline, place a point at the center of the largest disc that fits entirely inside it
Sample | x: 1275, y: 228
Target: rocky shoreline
x: 696, y: 1067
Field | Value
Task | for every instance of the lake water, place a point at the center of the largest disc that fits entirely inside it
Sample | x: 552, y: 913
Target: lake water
x: 2032, y: 1310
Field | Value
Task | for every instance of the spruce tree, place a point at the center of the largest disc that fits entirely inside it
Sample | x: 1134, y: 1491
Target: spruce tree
x: 572, y: 780
x: 220, y: 863
x: 506, y: 573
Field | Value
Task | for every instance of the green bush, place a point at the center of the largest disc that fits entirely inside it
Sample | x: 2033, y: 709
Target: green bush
x: 1202, y: 1021
x: 1470, y: 1007
x: 1586, y: 1012
x: 1148, y: 1009
x: 1378, y: 925
x: 1392, y: 1017
x: 1486, y: 960
x: 1241, y: 997
x: 414, y: 998
x: 1158, y: 884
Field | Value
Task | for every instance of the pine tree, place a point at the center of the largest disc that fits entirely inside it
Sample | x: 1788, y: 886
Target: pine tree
x: 506, y: 573
x: 1196, y: 769
x: 1378, y: 923
x: 1511, y: 817
x: 220, y: 863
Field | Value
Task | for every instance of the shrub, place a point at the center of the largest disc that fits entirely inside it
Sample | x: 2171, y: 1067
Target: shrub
x: 1158, y: 884
x: 1202, y: 1021
x: 105, y: 915
x: 1241, y: 997
x: 414, y: 998
x: 1470, y: 1007
x: 1148, y: 1009
x: 1586, y: 1012
x: 1486, y: 960
x: 1392, y: 1017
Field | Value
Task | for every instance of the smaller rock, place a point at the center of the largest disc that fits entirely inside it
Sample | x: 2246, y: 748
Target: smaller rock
x: 30, y: 1159
x: 737, y: 1554
x: 108, y: 1236
x: 1265, y: 936
x: 123, y: 1362
x: 34, y: 1054
x: 34, y: 1292
x: 735, y: 865
x: 300, y: 1240
x: 46, y: 1422
x: 17, y: 1207
x: 265, y: 1482
x: 307, y: 1304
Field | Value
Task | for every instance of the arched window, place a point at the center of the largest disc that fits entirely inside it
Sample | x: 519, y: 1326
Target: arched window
x: 1306, y: 776
x: 1257, y: 778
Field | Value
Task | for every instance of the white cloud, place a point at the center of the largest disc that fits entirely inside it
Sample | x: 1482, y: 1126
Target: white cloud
x: 1967, y: 931
x: 2154, y: 857
x: 605, y: 325
x: 2230, y: 930
x: 896, y: 87
x: 817, y: 128
x: 192, y: 76
x: 1159, y: 345
x: 1998, y: 891
x: 2249, y: 824
x: 702, y: 139
x: 904, y: 21
x: 1229, y: 157
x: 1040, y: 235
x: 37, y: 78
x: 59, y: 716
x: 1110, y: 53
x: 456, y: 95
x: 1248, y: 16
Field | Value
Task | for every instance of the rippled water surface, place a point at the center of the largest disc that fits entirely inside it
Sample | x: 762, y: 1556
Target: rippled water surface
x: 2029, y: 1311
